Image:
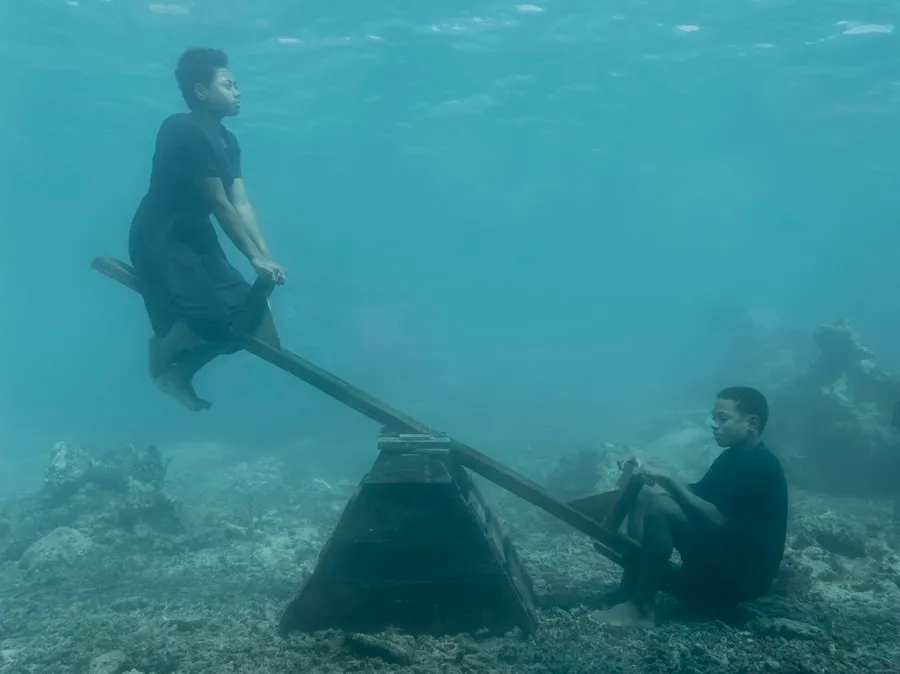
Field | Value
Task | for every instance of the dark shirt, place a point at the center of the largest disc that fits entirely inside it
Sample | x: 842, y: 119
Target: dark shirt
x: 749, y: 488
x: 188, y: 149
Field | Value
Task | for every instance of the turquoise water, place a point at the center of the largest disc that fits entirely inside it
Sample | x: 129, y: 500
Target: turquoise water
x: 513, y: 220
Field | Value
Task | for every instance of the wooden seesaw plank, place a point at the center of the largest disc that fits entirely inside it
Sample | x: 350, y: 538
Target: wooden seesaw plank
x: 618, y: 549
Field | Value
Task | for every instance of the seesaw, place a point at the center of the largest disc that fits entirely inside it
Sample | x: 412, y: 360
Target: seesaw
x: 417, y: 546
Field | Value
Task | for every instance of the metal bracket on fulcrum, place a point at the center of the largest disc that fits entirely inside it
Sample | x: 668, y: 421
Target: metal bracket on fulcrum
x: 395, y: 441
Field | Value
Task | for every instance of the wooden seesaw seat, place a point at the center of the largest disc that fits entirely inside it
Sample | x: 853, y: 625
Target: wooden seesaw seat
x: 417, y: 546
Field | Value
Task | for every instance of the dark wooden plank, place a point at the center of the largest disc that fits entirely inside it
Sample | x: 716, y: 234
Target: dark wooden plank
x: 117, y: 271
x: 335, y: 387
x: 540, y: 497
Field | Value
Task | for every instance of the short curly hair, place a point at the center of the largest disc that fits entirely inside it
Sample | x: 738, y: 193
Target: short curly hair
x: 198, y: 65
x: 748, y: 401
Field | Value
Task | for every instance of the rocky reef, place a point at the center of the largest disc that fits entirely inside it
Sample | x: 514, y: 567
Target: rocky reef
x: 87, y: 503
x: 832, y: 424
x: 124, y: 564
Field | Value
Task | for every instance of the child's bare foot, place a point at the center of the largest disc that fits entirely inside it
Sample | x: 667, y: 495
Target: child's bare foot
x: 176, y: 383
x: 628, y: 615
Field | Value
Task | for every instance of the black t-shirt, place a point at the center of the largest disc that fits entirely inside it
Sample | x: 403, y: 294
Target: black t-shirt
x: 749, y: 488
x: 188, y: 148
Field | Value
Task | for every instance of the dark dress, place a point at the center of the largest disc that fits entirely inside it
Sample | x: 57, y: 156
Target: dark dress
x: 173, y: 244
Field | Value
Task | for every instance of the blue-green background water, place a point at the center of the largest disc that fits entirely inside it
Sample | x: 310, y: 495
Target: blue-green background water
x: 513, y: 221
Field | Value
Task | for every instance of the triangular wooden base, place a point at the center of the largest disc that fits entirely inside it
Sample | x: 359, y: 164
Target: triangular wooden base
x: 416, y: 548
